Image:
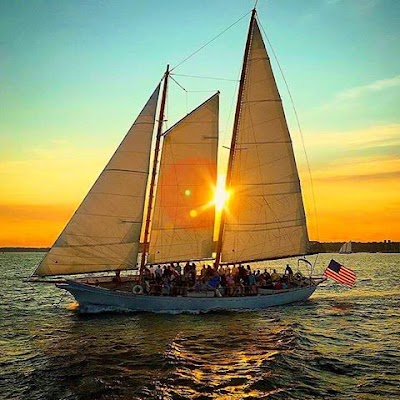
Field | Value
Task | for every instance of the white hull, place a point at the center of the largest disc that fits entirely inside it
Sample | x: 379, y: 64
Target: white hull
x: 96, y: 299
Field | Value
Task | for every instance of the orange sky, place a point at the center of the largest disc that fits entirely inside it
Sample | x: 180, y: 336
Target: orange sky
x: 355, y: 198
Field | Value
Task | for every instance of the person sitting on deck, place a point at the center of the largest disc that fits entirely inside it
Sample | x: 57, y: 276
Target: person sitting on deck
x: 178, y: 269
x: 239, y: 286
x: 278, y: 285
x: 262, y: 282
x: 152, y: 269
x: 230, y: 283
x: 275, y: 276
x: 166, y: 288
x: 203, y: 271
x: 252, y: 283
x: 235, y: 270
x: 158, y: 271
x: 147, y: 273
x: 193, y: 273
x: 289, y: 274
x: 267, y: 276
x: 186, y: 268
x: 223, y: 283
x: 285, y: 282
x: 214, y: 282
x: 209, y: 272
x: 117, y: 278
x: 288, y: 270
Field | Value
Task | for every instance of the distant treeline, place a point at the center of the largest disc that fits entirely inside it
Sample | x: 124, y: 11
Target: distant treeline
x: 386, y: 246
x: 23, y: 249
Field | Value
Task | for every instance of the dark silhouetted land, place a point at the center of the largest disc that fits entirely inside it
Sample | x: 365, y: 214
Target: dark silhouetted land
x: 23, y: 249
x: 387, y: 246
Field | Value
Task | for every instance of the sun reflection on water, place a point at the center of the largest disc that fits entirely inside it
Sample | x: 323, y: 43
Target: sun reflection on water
x: 241, y: 368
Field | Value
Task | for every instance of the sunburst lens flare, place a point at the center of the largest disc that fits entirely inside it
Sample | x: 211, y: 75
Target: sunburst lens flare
x: 221, y: 196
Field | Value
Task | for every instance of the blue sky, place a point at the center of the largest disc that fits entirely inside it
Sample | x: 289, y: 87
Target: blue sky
x: 74, y: 75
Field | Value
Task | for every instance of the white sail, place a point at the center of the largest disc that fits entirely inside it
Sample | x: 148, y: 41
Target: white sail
x: 183, y: 218
x: 265, y: 217
x: 104, y: 232
x: 346, y: 248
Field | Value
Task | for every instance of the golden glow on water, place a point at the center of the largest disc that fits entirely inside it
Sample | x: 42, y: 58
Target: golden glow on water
x: 74, y: 306
x: 230, y: 373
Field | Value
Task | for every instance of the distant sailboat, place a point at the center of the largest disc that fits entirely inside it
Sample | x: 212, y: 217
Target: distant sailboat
x: 265, y: 218
x: 346, y: 248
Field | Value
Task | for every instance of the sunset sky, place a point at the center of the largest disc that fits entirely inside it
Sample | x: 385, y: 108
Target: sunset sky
x: 75, y: 74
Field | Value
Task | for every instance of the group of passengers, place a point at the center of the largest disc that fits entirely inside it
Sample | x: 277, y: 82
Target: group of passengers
x: 235, y: 280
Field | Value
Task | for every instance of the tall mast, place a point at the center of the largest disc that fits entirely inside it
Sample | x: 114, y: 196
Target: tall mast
x: 154, y: 173
x: 234, y: 134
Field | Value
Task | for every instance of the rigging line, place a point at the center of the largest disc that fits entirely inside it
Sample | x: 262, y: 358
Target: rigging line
x: 315, y: 262
x: 210, y: 41
x: 178, y: 84
x: 207, y: 77
x: 298, y: 126
x: 186, y: 94
x: 229, y: 121
x: 203, y: 91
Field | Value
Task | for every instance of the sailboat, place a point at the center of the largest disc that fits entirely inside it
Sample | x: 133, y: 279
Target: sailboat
x: 160, y: 189
x: 346, y: 248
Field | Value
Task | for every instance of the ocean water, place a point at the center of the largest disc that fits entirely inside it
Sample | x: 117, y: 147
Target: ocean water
x: 340, y: 344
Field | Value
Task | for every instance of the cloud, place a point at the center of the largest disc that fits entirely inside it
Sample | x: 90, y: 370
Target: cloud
x: 373, y: 137
x: 354, y: 93
x: 357, y: 156
x: 360, y: 5
x: 378, y: 168
x: 375, y: 86
x: 364, y: 176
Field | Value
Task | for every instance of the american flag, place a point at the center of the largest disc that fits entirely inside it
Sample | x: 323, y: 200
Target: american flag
x: 340, y: 273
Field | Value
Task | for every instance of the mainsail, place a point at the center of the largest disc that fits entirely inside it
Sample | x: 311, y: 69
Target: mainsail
x: 265, y: 216
x: 104, y: 232
x: 183, y: 217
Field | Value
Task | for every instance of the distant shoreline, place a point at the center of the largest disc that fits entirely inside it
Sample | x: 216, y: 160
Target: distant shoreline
x: 386, y: 246
x: 24, y: 249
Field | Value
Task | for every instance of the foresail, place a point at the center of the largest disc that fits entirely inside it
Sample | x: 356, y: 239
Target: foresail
x: 104, y: 232
x: 184, y: 212
x: 349, y: 247
x: 265, y: 216
x: 346, y: 248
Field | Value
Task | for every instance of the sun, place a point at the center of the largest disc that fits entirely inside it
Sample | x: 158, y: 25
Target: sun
x: 220, y: 195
